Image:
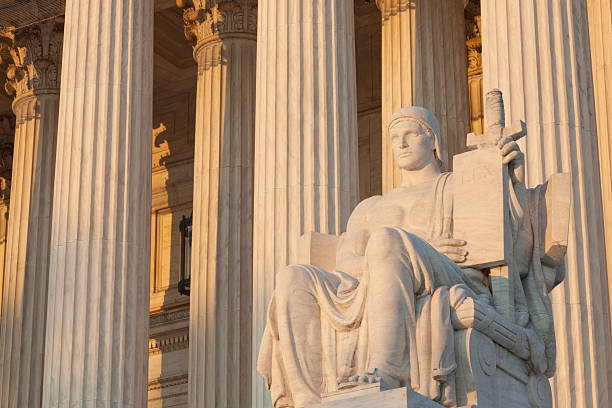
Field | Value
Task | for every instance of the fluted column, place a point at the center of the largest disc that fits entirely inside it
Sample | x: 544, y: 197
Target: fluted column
x: 600, y: 30
x: 537, y: 53
x: 306, y: 176
x: 97, y: 321
x: 220, y: 319
x: 33, y: 77
x: 7, y: 133
x: 424, y: 64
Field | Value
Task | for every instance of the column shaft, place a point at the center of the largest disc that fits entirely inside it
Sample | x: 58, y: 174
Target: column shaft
x: 424, y: 64
x: 306, y: 176
x: 221, y: 274
x: 537, y: 53
x: 600, y: 30
x: 33, y: 77
x: 97, y: 321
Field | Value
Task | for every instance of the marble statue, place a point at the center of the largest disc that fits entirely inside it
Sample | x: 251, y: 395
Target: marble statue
x: 387, y: 312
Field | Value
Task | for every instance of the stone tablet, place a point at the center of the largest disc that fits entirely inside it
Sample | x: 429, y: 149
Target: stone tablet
x: 480, y: 207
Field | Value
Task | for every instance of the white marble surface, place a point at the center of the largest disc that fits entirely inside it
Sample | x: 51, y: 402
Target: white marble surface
x: 387, y: 309
x: 420, y: 42
x: 600, y: 32
x: 537, y: 53
x: 305, y: 138
x: 36, y: 49
x: 97, y: 321
x: 220, y: 319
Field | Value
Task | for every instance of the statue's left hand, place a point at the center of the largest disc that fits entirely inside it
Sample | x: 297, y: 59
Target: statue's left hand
x: 514, y: 158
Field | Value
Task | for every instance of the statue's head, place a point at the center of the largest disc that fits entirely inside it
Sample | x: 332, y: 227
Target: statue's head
x: 415, y: 138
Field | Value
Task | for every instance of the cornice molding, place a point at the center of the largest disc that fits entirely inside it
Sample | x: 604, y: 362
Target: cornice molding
x: 169, y: 343
x: 170, y: 381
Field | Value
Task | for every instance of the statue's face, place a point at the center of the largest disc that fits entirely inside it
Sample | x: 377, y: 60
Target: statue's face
x: 412, y: 146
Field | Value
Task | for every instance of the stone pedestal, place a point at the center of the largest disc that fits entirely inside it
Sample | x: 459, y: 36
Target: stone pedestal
x: 305, y: 138
x: 537, y: 53
x: 221, y: 274
x: 424, y: 64
x: 600, y: 32
x: 98, y: 312
x: 371, y: 396
x: 33, y: 77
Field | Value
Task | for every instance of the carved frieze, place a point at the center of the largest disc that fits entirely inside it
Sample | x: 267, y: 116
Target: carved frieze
x: 35, y: 57
x: 169, y: 316
x: 207, y: 20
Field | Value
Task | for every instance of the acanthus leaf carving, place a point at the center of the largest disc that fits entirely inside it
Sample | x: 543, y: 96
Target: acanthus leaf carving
x: 34, y: 55
x: 206, y: 21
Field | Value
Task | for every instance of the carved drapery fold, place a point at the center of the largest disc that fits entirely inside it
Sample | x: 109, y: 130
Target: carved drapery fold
x: 538, y: 55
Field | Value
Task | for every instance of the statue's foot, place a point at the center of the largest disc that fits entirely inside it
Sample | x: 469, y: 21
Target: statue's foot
x: 373, y: 376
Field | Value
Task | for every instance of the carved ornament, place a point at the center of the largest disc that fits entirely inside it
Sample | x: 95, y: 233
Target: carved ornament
x: 474, y: 46
x: 35, y: 57
x: 390, y: 8
x: 207, y: 20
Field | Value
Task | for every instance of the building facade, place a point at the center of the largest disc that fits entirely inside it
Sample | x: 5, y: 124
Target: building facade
x: 256, y: 121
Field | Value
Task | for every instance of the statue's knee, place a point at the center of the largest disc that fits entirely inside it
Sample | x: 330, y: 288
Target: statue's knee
x: 383, y: 243
x: 289, y: 279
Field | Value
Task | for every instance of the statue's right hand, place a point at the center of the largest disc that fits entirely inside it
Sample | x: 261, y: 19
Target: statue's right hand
x: 451, y: 248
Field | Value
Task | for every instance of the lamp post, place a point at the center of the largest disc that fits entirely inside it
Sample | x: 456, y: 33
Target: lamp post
x: 185, y: 237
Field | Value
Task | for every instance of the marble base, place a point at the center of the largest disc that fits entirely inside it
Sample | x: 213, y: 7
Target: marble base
x: 370, y: 396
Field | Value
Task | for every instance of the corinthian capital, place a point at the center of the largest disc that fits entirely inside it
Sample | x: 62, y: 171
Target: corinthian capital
x: 206, y: 20
x: 35, y: 57
x: 391, y: 7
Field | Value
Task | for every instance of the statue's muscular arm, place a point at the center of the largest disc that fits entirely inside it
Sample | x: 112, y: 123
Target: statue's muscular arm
x: 351, y: 251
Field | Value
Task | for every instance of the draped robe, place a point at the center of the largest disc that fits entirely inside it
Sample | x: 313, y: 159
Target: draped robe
x: 324, y: 326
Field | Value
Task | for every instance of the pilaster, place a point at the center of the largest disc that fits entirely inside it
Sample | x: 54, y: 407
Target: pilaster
x: 33, y: 78
x: 424, y: 64
x: 97, y: 322
x: 538, y: 54
x: 221, y: 275
x: 305, y: 138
